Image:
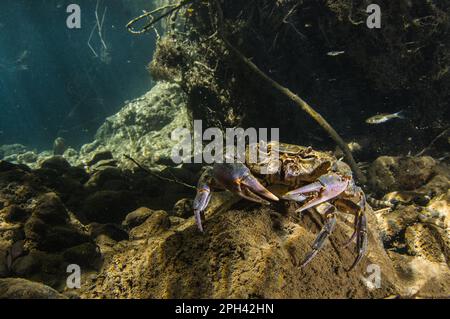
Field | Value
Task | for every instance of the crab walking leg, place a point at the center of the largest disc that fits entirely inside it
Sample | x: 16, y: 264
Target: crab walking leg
x: 325, y: 232
x: 201, y: 201
x: 360, y: 222
x: 361, y: 239
x: 203, y: 196
x: 355, y: 231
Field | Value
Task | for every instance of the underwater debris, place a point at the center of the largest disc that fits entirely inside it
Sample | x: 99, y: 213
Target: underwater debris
x: 104, y: 54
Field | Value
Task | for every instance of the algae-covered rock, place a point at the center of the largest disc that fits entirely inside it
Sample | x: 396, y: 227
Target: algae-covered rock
x: 241, y: 254
x: 14, y: 213
x: 53, y: 238
x: 156, y: 223
x: 57, y: 163
x: 25, y: 266
x: 400, y: 173
x: 137, y: 217
x: 59, y: 146
x: 16, y: 288
x: 142, y: 128
x: 108, y: 206
x: 50, y: 209
x: 183, y: 208
x: 113, y: 231
x: 86, y: 254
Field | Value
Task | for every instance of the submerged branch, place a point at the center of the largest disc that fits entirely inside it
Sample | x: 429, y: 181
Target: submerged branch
x: 426, y: 149
x: 171, y: 9
x: 292, y: 96
x: 175, y: 180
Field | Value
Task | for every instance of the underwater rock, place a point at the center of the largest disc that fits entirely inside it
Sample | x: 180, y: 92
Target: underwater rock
x: 108, y: 206
x: 8, y: 166
x: 50, y: 209
x: 183, y: 208
x: 4, y: 271
x: 416, y: 233
x: 239, y: 255
x: 389, y: 173
x: 175, y: 221
x: 25, y: 266
x: 53, y: 238
x: 100, y: 156
x: 103, y: 164
x: 422, y: 240
x: 16, y: 288
x: 27, y: 158
x: 113, y: 231
x: 101, y: 178
x: 156, y: 223
x: 137, y: 217
x: 12, y: 150
x: 50, y: 228
x: 86, y: 254
x: 14, y: 214
x: 57, y: 163
x: 142, y: 128
x: 59, y: 146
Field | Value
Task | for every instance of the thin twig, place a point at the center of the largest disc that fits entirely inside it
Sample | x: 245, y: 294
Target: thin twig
x: 432, y: 142
x: 100, y: 24
x: 152, y: 20
x: 292, y: 96
x: 176, y: 181
x: 89, y: 41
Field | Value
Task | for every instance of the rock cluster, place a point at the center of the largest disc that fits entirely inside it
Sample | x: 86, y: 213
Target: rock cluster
x: 133, y: 235
x: 57, y: 215
x: 416, y: 230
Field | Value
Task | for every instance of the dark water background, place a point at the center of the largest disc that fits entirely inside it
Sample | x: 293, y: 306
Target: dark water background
x: 51, y: 83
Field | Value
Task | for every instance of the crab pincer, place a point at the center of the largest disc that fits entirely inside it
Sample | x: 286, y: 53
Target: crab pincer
x: 237, y: 178
x: 234, y: 177
x: 327, y: 187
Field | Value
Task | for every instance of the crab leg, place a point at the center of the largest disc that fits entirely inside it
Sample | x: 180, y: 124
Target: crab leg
x: 201, y: 201
x: 355, y: 232
x: 202, y: 198
x: 360, y: 222
x: 325, y: 232
x: 361, y: 239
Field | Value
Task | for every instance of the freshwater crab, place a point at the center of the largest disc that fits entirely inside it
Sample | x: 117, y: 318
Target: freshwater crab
x: 316, y: 179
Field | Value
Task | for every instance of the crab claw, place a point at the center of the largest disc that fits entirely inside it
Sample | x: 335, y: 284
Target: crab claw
x: 237, y: 178
x: 327, y: 187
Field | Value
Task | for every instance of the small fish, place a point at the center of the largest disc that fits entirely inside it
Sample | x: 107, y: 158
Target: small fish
x: 335, y: 53
x: 382, y: 118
